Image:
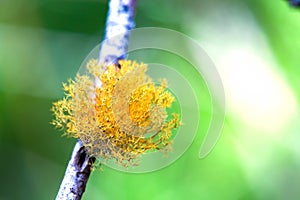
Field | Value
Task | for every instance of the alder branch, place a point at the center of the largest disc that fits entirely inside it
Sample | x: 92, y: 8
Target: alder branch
x: 120, y: 20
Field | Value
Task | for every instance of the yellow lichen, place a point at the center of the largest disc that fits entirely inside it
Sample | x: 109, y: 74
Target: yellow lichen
x: 120, y: 120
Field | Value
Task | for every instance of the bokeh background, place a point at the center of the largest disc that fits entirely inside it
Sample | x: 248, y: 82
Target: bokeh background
x: 254, y: 44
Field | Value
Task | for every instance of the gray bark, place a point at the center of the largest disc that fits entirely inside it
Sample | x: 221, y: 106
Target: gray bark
x: 77, y: 174
x: 120, y: 20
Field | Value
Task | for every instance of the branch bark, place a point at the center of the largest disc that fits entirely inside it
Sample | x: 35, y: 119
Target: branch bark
x: 76, y: 175
x: 120, y: 20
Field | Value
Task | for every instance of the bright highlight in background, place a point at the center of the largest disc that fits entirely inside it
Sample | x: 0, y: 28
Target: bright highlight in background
x: 256, y: 92
x: 262, y: 107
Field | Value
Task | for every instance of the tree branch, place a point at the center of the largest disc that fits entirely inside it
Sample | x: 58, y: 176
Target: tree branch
x: 77, y: 174
x: 120, y: 20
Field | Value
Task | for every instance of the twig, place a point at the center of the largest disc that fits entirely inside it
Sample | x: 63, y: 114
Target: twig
x: 120, y: 20
x: 77, y: 174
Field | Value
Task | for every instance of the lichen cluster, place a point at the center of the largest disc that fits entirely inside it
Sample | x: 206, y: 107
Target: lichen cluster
x: 118, y: 113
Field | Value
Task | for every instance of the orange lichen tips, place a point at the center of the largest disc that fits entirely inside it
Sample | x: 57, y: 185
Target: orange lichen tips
x: 118, y: 113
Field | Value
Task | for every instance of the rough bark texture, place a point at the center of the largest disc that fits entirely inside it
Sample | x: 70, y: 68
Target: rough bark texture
x: 120, y: 20
x: 77, y: 174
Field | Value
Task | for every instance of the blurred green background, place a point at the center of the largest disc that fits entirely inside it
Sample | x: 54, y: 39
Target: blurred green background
x: 255, y: 45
